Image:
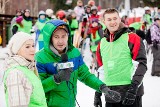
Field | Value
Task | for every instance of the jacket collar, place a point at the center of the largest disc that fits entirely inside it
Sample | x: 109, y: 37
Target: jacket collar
x: 121, y: 30
x: 18, y: 61
x: 54, y: 50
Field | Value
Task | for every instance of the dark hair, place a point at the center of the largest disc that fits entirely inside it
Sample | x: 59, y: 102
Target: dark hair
x: 110, y: 10
x: 18, y: 10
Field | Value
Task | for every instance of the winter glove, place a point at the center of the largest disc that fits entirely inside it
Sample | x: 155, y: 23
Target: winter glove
x: 38, y: 31
x: 97, y: 99
x: 62, y: 75
x: 93, y: 43
x: 155, y: 44
x: 130, y: 95
x: 110, y: 94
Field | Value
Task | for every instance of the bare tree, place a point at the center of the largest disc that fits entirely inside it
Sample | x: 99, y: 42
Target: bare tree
x: 3, y: 5
x: 35, y: 8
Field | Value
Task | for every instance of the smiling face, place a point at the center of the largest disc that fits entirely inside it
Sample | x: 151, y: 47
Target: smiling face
x: 112, y: 21
x: 27, y: 50
x: 60, y: 40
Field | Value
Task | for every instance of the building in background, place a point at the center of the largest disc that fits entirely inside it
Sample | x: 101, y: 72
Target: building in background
x: 36, y: 5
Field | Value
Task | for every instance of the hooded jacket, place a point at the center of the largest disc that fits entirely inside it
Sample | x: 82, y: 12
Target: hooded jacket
x: 46, y: 63
x: 155, y: 32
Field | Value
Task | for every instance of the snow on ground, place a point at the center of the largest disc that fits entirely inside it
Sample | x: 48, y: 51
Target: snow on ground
x: 2, y: 100
x: 151, y: 98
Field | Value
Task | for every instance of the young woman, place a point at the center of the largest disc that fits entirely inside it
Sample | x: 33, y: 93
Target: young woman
x: 22, y: 85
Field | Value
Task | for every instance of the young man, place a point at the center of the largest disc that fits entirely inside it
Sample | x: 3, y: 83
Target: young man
x: 60, y: 85
x: 115, y: 52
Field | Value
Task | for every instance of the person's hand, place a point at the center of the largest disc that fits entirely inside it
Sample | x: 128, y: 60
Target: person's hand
x: 62, y: 75
x: 155, y: 44
x: 93, y: 43
x: 97, y: 99
x: 130, y: 96
x: 110, y: 94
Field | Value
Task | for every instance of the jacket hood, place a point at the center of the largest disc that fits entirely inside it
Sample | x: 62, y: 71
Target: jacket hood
x: 49, y: 28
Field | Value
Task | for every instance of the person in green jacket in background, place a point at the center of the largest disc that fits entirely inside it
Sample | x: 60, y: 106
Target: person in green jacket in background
x: 13, y: 21
x: 49, y: 14
x: 60, y: 86
x: 146, y: 19
x: 27, y: 21
x: 136, y: 25
x: 38, y: 28
x: 18, y: 26
x: 73, y: 23
x: 24, y: 23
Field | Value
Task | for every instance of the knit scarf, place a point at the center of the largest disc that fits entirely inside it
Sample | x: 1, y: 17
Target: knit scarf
x: 94, y: 30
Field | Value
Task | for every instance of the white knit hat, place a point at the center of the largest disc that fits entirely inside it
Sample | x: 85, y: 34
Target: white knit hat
x: 49, y: 12
x: 17, y: 41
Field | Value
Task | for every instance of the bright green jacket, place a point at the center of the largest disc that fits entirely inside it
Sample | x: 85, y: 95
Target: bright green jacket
x: 27, y: 26
x: 136, y: 25
x: 37, y: 98
x: 147, y: 18
x: 63, y: 94
x: 73, y: 26
x: 40, y: 27
x: 19, y: 28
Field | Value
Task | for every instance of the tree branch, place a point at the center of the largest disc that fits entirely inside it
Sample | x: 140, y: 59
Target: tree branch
x: 7, y: 1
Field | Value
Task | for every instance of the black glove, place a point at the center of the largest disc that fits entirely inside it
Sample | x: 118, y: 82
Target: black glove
x: 110, y: 94
x: 62, y: 75
x: 97, y: 99
x: 130, y: 95
x: 155, y: 44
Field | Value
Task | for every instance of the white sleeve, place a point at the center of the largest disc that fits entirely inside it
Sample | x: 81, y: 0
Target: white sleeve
x: 19, y: 89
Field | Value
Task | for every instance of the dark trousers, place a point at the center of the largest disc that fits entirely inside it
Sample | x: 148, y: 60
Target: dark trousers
x: 156, y: 61
x: 137, y: 103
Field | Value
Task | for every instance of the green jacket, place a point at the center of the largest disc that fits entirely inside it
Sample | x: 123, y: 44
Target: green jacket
x: 147, y: 18
x: 136, y: 25
x: 63, y: 94
x: 19, y: 27
x: 73, y: 26
x: 40, y: 26
x: 27, y: 26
